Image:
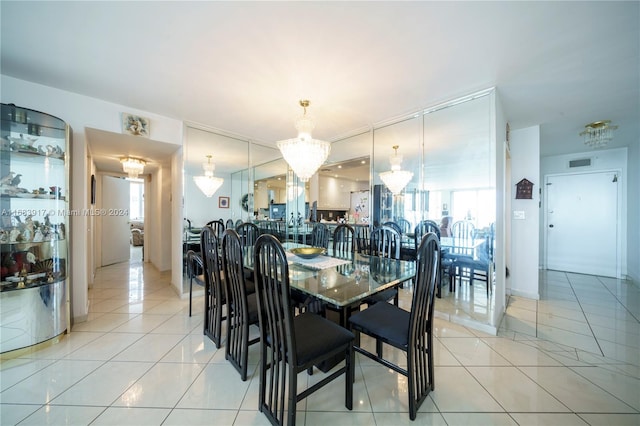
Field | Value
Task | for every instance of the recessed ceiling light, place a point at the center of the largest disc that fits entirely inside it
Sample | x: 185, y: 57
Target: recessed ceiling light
x: 340, y: 166
x: 364, y: 162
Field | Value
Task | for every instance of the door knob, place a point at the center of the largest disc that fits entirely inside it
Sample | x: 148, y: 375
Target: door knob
x: 550, y: 226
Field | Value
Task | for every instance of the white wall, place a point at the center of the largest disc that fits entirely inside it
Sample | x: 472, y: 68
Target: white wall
x: 177, y: 209
x: 525, y: 163
x: 335, y: 193
x: 611, y: 159
x: 80, y: 112
x: 159, y: 220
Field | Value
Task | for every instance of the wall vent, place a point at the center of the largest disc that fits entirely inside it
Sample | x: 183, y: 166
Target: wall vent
x: 583, y: 162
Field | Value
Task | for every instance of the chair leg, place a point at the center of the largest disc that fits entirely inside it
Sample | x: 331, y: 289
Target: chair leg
x: 293, y: 392
x: 379, y: 348
x: 349, y: 377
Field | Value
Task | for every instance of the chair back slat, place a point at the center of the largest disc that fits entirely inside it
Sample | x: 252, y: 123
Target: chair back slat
x: 363, y: 239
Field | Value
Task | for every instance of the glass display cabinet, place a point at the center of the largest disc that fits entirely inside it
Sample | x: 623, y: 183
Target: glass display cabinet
x: 34, y: 228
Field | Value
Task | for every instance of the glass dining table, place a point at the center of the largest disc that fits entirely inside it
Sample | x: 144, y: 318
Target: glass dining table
x: 342, y: 282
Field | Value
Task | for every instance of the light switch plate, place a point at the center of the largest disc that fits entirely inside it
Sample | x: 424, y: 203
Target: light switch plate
x: 518, y: 215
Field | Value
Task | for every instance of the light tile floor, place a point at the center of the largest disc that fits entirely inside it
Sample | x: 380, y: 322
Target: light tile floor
x: 571, y: 358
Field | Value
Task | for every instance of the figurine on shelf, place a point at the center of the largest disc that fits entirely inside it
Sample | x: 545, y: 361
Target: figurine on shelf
x: 38, y: 236
x: 6, y: 179
x: 28, y: 231
x: 14, y: 235
x: 16, y: 180
x: 55, y: 191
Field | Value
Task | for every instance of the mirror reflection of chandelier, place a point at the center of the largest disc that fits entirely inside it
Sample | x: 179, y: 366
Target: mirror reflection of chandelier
x: 396, y: 179
x: 133, y: 166
x: 208, y: 183
x: 293, y: 190
x: 598, y: 134
x: 303, y: 153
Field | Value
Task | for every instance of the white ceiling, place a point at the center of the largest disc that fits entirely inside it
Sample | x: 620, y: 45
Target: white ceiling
x: 243, y: 66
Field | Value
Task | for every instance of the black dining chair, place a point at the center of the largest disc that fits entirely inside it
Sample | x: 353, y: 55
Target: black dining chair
x: 424, y: 227
x: 411, y: 332
x: 320, y: 235
x: 476, y: 268
x: 242, y: 307
x: 446, y: 263
x: 215, y: 297
x: 248, y: 233
x: 385, y: 242
x: 344, y: 241
x: 404, y: 224
x: 195, y: 272
x: 229, y: 224
x: 238, y: 222
x: 290, y: 345
x: 394, y: 225
x: 463, y: 229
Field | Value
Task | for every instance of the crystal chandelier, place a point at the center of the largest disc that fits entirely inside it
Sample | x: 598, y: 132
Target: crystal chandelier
x: 304, y: 154
x: 207, y: 183
x: 598, y: 134
x: 396, y: 179
x: 133, y: 166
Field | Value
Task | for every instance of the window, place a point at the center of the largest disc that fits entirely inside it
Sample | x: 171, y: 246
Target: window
x: 136, y: 200
x: 478, y: 206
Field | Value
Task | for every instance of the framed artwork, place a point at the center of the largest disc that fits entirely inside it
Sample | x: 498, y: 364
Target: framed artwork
x: 135, y: 125
x: 223, y: 202
x: 93, y: 189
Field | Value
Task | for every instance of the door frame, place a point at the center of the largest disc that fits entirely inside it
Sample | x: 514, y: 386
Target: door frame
x: 619, y: 213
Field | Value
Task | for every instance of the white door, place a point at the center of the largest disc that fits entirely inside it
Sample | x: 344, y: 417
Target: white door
x: 581, y: 223
x: 115, y: 220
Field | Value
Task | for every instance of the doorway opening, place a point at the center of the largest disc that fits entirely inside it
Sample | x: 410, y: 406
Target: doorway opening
x: 136, y: 218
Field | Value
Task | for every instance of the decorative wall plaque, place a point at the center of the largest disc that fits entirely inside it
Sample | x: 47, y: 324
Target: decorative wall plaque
x: 524, y: 190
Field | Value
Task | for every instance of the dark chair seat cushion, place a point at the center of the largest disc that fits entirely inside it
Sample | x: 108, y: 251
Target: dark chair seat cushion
x: 386, y: 321
x: 316, y: 336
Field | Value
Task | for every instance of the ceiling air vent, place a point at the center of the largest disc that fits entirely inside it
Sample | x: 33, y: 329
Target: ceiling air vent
x: 583, y: 162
